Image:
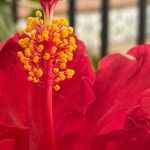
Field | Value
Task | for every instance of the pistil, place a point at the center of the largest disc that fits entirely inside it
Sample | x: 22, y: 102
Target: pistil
x: 46, y: 47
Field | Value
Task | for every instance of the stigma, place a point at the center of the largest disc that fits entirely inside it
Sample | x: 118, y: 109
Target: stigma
x: 47, y: 42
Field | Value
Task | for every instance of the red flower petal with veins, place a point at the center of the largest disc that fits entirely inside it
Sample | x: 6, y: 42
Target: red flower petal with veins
x: 119, y: 119
x: 23, y: 106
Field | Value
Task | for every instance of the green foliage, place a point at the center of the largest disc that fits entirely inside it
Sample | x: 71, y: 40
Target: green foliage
x: 6, y: 22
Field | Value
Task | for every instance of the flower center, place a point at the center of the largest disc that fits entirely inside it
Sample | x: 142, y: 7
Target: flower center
x: 42, y: 42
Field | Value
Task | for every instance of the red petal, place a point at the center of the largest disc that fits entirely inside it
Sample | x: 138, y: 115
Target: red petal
x: 8, y: 144
x: 120, y: 83
x: 13, y: 138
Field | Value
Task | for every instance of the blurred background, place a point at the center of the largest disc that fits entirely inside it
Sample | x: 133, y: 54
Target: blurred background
x: 106, y: 26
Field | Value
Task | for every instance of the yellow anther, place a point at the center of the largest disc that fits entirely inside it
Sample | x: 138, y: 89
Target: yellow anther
x: 64, y: 33
x: 31, y: 73
x: 20, y: 53
x: 35, y: 80
x: 54, y: 27
x: 40, y: 38
x: 38, y: 14
x: 63, y: 22
x: 69, y: 56
x: 30, y: 78
x: 27, y: 52
x: 29, y: 28
x: 46, y: 56
x: 35, y: 70
x: 57, y: 80
x: 31, y: 46
x: 55, y: 70
x: 54, y: 21
x: 57, y: 87
x: 23, y: 59
x: 70, y: 48
x: 45, y: 35
x: 40, y: 48
x: 71, y: 30
x: 33, y: 33
x: 61, y: 75
x: 36, y: 59
x: 62, y: 45
x: 70, y: 73
x: 56, y: 34
x: 33, y: 49
x: 39, y: 73
x: 64, y: 60
x: 27, y: 67
x: 63, y: 65
x: 53, y: 50
x: 56, y: 40
x: 75, y: 47
x: 24, y: 42
x: 65, y: 42
x: 62, y: 55
x: 72, y: 40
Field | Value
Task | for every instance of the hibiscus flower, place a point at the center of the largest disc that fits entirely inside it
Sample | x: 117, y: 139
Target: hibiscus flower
x: 43, y: 71
x: 51, y: 99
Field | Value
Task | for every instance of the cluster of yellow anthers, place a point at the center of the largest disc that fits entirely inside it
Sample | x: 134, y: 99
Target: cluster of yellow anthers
x: 42, y: 41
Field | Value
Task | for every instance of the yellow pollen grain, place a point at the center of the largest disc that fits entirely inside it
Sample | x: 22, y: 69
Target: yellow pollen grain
x: 24, y: 42
x: 62, y: 55
x: 39, y: 72
x: 53, y: 50
x: 71, y: 30
x: 40, y: 48
x: 70, y: 73
x: 57, y: 87
x: 20, y: 53
x: 57, y: 80
x: 72, y: 40
x: 45, y: 35
x: 38, y: 14
x: 33, y: 33
x: 56, y: 34
x: 64, y: 33
x: 64, y: 60
x: 56, y: 40
x: 55, y: 70
x: 63, y: 22
x: 23, y: 59
x: 40, y: 38
x: 27, y: 52
x: 70, y: 56
x: 65, y: 42
x: 63, y: 65
x: 61, y: 75
x: 46, y: 56
x: 27, y: 67
x: 35, y: 70
x: 70, y: 48
x: 30, y: 78
x: 31, y: 73
x: 36, y: 59
x: 54, y: 27
x: 35, y: 80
